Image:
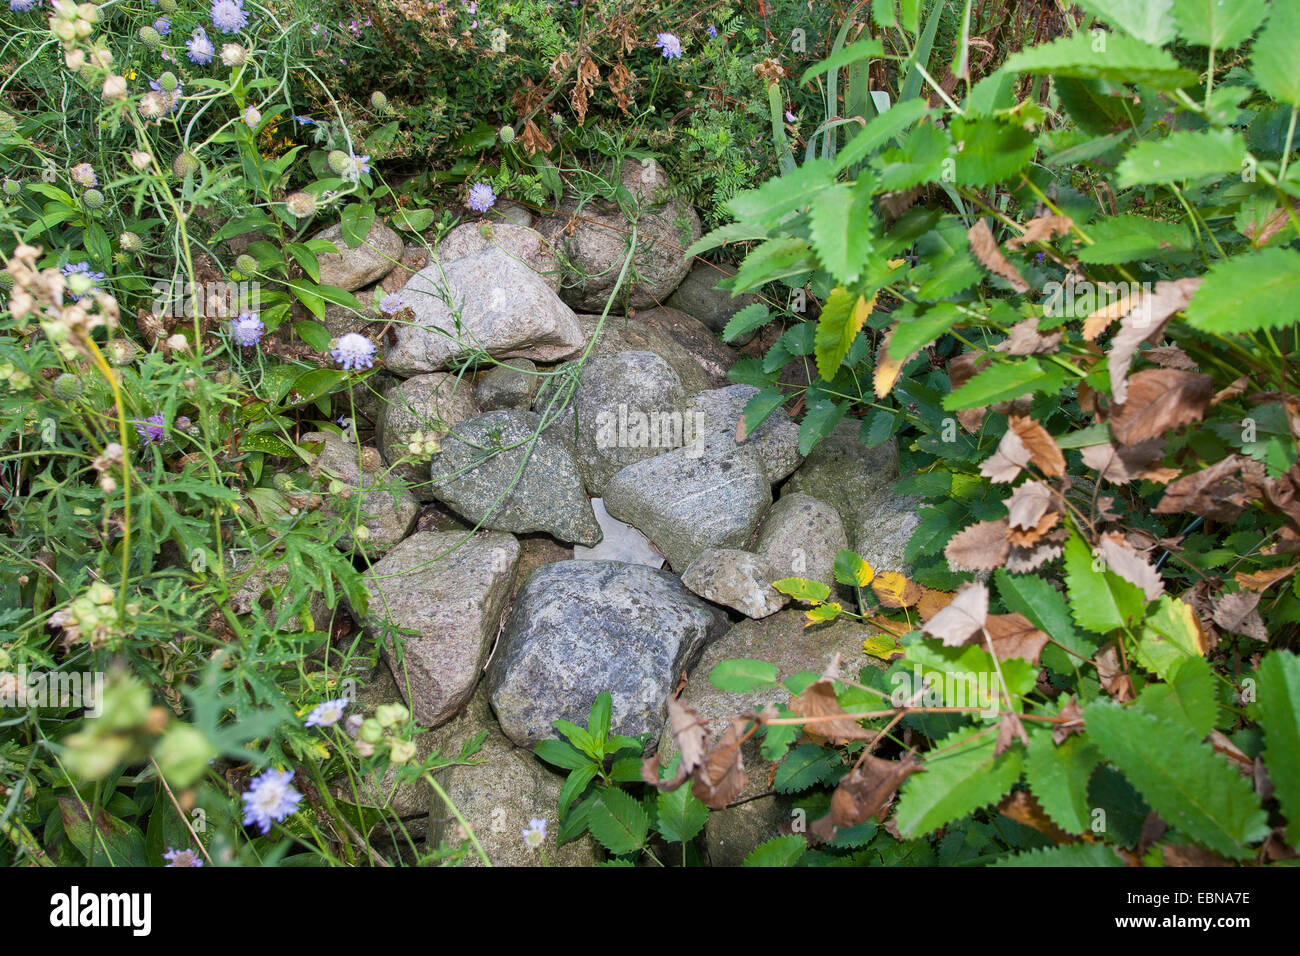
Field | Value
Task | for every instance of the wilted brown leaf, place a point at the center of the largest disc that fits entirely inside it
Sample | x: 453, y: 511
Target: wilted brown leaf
x: 1022, y: 560
x: 981, y: 547
x: 987, y: 252
x: 1010, y: 729
x: 721, y: 777
x: 932, y: 602
x: 1238, y: 613
x: 1217, y: 492
x: 961, y: 368
x: 1099, y: 321
x: 1006, y: 462
x: 1021, y: 538
x: 1113, y: 680
x: 583, y: 85
x: 1045, y: 453
x: 1023, y: 807
x: 1041, y: 229
x: 963, y: 618
x: 895, y: 590
x: 818, y: 700
x: 1125, y: 561
x: 1160, y: 399
x: 1170, y: 356
x: 1262, y: 580
x: 1013, y: 635
x: 1025, y: 339
x: 1145, y: 323
x: 866, y: 791
x: 690, y: 735
x: 1071, y: 722
x: 1120, y: 464
x: 887, y: 369
x: 1028, y: 504
x: 1188, y: 855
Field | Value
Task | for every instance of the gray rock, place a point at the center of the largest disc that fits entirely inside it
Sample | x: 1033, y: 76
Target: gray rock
x: 507, y: 211
x: 435, y: 402
x: 499, y: 797
x: 582, y: 627
x: 450, y: 591
x: 350, y: 269
x: 387, y: 510
x: 629, y: 407
x: 620, y: 542
x: 265, y: 588
x: 780, y: 639
x: 512, y: 385
x: 414, y: 258
x: 736, y: 579
x: 341, y: 320
x: 597, y: 245
x: 845, y: 473
x: 713, y: 358
x: 776, y: 442
x: 730, y: 835
x: 699, y: 296
x: 711, y: 494
x: 886, y: 520
x: 505, y: 308
x: 697, y: 366
x: 496, y: 469
x: 800, y: 536
x: 518, y: 242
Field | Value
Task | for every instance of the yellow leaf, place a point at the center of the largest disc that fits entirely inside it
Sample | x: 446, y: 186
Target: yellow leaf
x: 882, y: 646
x: 895, y: 590
x: 822, y: 612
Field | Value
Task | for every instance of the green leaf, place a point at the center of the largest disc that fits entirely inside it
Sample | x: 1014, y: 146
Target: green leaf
x: 681, y: 815
x: 1146, y: 20
x: 1186, y: 700
x: 1058, y: 777
x: 619, y: 822
x: 804, y: 766
x: 782, y: 195
x: 918, y: 160
x: 411, y: 220
x: 579, y: 737
x: 1217, y: 24
x: 862, y: 50
x: 1253, y: 291
x: 751, y: 317
x: 1071, y: 854
x: 314, y: 334
x: 731, y: 232
x: 574, y: 785
x: 355, y: 222
x: 997, y: 383
x: 312, y: 385
x: 842, y: 318
x: 598, y: 722
x: 1275, y: 60
x: 992, y: 150
x: 821, y: 418
x: 1182, y: 779
x: 852, y: 570
x: 1036, y: 598
x: 840, y: 227
x: 914, y: 332
x: 1278, y: 704
x: 1094, y: 55
x: 116, y: 842
x: 774, y: 259
x: 880, y: 131
x: 305, y: 258
x: 1101, y: 601
x: 1183, y: 155
x: 744, y: 675
x: 1171, y: 636
x: 1127, y: 238
x: 801, y: 589
x: 760, y: 407
x: 268, y: 444
x: 961, y: 776
x: 778, y: 851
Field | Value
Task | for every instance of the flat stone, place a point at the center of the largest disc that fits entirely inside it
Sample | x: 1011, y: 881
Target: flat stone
x: 711, y: 494
x: 737, y: 579
x: 775, y: 442
x: 435, y: 402
x: 696, y: 371
x: 620, y: 542
x: 712, y: 356
x: 518, y: 242
x: 387, y: 510
x: 582, y: 627
x: 499, y: 470
x: 450, y: 590
x: 800, y: 536
x: 505, y: 309
x: 350, y: 269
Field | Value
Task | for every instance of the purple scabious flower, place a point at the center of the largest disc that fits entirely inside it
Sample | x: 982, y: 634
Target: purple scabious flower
x: 327, y: 714
x: 354, y: 351
x: 712, y: 31
x: 171, y: 97
x: 304, y: 121
x: 671, y: 46
x: 229, y: 16
x: 247, y: 329
x: 21, y: 6
x: 481, y: 197
x: 1040, y: 257
x: 179, y: 858
x: 390, y: 304
x: 163, y: 25
x: 270, y: 799
x: 200, y: 47
x: 357, y: 167
x: 151, y: 429
x: 83, y: 174
x: 535, y: 835
x: 81, y: 281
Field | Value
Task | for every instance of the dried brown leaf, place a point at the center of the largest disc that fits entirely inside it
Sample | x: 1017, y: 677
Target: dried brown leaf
x: 867, y: 791
x: 1160, y: 399
x: 1145, y: 323
x: 1170, y: 356
x: 981, y: 547
x: 1041, y: 229
x: 1025, y: 339
x: 1072, y: 722
x: 963, y: 618
x: 818, y: 700
x: 1120, y: 464
x: 986, y: 250
x: 1262, y: 580
x: 1238, y: 613
x: 1013, y: 635
x: 1045, y: 453
x: 1124, y: 560
x: 1028, y: 504
x: 1114, y: 681
x: 1006, y: 462
x: 721, y: 777
x: 932, y: 602
x: 1218, y: 492
x: 893, y: 589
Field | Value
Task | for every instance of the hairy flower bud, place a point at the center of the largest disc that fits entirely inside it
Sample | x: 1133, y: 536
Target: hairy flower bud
x: 301, y: 205
x: 185, y: 164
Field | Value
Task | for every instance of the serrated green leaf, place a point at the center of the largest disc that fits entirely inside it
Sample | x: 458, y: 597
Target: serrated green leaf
x: 1278, y: 704
x: 840, y: 225
x: 1100, y: 600
x: 804, y: 766
x: 1252, y: 291
x: 778, y: 851
x: 914, y: 332
x: 1275, y: 60
x: 818, y: 422
x: 1126, y: 238
x: 681, y: 815
x: 751, y: 317
x: 1217, y: 24
x: 780, y: 196
x: 918, y: 160
x: 842, y: 318
x: 852, y: 570
x: 1094, y: 55
x: 999, y: 382
x: 1072, y: 854
x: 744, y: 675
x: 801, y: 589
x: 1058, y: 777
x: 1147, y: 20
x: 991, y: 149
x: 1187, y: 700
x: 1182, y: 779
x: 619, y: 822
x: 1170, y: 636
x: 760, y: 407
x: 880, y: 131
x: 1036, y: 598
x: 774, y: 259
x: 1184, y: 154
x: 961, y: 776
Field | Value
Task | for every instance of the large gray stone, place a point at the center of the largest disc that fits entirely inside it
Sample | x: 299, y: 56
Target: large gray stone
x: 518, y: 242
x: 450, y: 591
x: 582, y: 627
x: 845, y: 473
x: 497, y: 469
x: 800, y: 536
x: 776, y: 442
x: 886, y: 520
x: 350, y: 269
x: 513, y: 384
x: 505, y: 309
x: 699, y: 296
x: 737, y: 579
x: 386, y: 510
x: 711, y: 494
x: 698, y: 368
x: 730, y: 835
x: 713, y: 358
x: 423, y: 403
x: 629, y: 407
x: 598, y: 241
x: 619, y: 542
x: 499, y: 797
